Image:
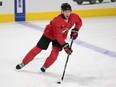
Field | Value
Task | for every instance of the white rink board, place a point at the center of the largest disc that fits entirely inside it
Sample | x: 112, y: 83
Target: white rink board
x: 52, y: 5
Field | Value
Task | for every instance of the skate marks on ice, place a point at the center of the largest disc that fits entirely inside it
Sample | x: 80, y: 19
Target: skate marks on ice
x: 39, y: 78
x: 40, y: 59
x: 81, y: 81
x: 49, y: 79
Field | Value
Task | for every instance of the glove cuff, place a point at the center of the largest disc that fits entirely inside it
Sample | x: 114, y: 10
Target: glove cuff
x: 65, y: 45
x: 74, y: 30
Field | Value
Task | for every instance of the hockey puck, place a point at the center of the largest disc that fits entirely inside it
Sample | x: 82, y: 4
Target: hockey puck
x: 58, y: 82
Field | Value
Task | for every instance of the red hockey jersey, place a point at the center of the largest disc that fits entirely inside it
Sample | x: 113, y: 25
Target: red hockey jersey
x: 58, y: 28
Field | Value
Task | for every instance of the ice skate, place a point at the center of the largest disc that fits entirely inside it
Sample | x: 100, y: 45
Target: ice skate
x: 43, y: 69
x: 19, y: 66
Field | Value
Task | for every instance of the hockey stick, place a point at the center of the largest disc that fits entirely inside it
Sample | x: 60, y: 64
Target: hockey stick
x: 59, y: 82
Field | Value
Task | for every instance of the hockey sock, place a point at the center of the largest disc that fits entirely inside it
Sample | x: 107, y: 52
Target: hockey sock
x: 52, y: 57
x: 31, y: 54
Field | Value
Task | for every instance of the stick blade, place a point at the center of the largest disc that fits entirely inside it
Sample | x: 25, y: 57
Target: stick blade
x: 59, y: 82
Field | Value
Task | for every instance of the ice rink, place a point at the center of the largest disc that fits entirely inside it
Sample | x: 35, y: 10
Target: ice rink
x: 92, y: 63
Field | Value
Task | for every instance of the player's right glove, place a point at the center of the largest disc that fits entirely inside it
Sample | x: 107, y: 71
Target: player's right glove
x: 67, y: 49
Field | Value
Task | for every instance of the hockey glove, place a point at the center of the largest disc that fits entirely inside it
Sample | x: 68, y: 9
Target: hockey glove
x: 74, y: 33
x: 67, y: 49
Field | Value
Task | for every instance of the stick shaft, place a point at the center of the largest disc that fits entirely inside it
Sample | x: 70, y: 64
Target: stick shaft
x: 66, y: 61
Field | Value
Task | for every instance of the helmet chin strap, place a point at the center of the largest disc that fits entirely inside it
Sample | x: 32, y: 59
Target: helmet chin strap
x: 63, y: 16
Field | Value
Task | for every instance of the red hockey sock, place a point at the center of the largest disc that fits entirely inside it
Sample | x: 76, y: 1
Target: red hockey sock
x: 52, y: 57
x: 31, y: 54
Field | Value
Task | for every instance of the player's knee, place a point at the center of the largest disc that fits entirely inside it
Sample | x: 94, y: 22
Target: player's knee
x: 36, y: 50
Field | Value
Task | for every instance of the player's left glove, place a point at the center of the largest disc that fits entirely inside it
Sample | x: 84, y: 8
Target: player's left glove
x: 74, y: 33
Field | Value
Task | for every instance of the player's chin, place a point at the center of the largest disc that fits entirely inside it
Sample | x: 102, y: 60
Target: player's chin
x: 67, y: 17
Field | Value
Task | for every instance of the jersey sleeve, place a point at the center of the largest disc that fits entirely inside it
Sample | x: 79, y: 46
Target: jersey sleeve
x: 78, y: 22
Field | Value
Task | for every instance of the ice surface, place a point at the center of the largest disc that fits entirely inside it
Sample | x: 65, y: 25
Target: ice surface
x: 86, y: 67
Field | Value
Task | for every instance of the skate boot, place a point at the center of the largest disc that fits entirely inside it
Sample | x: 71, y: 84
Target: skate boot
x: 19, y: 66
x: 43, y: 69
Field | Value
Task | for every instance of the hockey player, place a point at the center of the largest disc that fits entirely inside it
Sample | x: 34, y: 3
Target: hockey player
x: 56, y: 32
